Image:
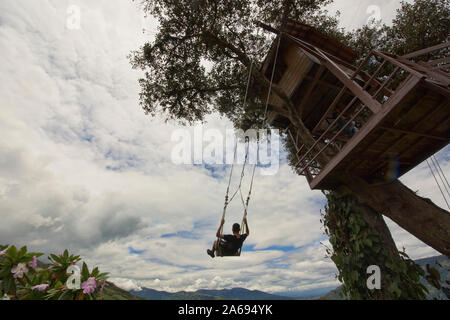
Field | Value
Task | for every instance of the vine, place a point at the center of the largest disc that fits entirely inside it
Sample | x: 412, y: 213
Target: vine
x: 356, y: 246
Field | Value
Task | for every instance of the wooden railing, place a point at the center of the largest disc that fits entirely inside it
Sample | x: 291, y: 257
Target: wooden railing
x: 389, y: 75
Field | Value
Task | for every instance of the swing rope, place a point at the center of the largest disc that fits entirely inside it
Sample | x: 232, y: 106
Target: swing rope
x: 227, y: 200
x: 437, y: 182
x: 239, y: 188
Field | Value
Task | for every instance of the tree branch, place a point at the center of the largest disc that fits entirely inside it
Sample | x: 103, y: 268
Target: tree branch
x: 290, y: 112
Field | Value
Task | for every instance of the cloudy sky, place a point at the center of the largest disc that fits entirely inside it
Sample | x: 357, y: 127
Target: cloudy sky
x: 82, y: 167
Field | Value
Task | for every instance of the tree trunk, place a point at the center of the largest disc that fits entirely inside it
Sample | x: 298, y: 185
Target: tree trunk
x: 352, y: 254
x: 377, y: 223
x: 417, y: 215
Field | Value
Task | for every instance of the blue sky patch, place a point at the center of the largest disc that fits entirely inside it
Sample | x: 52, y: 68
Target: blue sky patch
x: 131, y: 250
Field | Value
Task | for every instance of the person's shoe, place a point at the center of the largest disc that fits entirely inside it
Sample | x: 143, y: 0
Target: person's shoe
x: 210, y: 253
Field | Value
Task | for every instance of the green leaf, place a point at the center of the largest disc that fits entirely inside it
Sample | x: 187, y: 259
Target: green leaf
x: 367, y: 242
x: 55, y: 258
x: 5, y: 271
x: 12, y: 253
x: 102, y: 276
x: 95, y: 272
x: 66, y: 295
x: 85, y: 271
x: 22, y: 252
x: 393, y: 288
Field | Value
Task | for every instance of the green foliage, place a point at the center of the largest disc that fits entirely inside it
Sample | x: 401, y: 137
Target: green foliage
x: 224, y: 36
x: 22, y: 277
x: 417, y: 25
x: 355, y: 246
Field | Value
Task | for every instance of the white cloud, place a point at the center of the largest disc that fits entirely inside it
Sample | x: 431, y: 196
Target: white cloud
x: 354, y: 14
x: 125, y: 284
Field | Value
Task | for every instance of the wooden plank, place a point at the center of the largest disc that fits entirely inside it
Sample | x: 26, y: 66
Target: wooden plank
x: 426, y: 50
x: 399, y: 63
x: 419, y: 134
x: 330, y: 108
x: 437, y: 75
x: 383, y: 133
x: 325, y: 83
x: 436, y: 87
x: 443, y: 60
x: 366, y: 130
x: 310, y: 89
x: 403, y: 136
x: 385, y: 82
x: 307, y: 173
x: 365, y: 97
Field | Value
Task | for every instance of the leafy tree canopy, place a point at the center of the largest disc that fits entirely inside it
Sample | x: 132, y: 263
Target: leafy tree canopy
x: 222, y: 35
x: 200, y: 59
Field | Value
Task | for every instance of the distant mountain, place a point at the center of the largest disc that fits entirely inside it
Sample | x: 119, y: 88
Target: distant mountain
x: 442, y: 265
x: 228, y: 294
x: 183, y: 295
x: 309, y: 294
x: 151, y: 294
x: 243, y: 294
x: 112, y: 292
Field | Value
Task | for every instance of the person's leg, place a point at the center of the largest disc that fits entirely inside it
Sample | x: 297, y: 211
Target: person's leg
x: 211, y: 252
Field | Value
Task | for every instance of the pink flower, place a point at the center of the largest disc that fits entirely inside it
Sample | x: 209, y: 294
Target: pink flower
x: 33, y: 263
x: 40, y: 287
x: 2, y: 253
x: 89, y: 285
x: 19, y: 270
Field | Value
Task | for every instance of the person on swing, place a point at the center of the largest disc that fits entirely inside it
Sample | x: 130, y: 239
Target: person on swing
x: 229, y: 245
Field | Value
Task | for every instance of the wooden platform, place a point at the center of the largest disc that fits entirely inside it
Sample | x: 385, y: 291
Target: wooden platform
x: 375, y: 124
x: 412, y: 126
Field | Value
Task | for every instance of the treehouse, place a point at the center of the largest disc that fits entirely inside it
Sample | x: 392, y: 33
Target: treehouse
x: 377, y: 119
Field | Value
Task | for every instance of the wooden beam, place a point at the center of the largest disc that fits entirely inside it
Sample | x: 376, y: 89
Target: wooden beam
x: 310, y: 89
x: 437, y: 75
x: 333, y: 105
x: 364, y: 96
x: 330, y: 109
x: 419, y: 134
x: 366, y: 130
x: 436, y: 87
x: 426, y: 50
x: 267, y: 27
x: 443, y: 60
x: 306, y: 173
x: 383, y: 132
x: 339, y: 138
x: 403, y: 136
x: 325, y: 83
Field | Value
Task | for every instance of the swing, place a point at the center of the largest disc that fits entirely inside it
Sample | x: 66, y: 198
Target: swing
x: 218, y: 249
